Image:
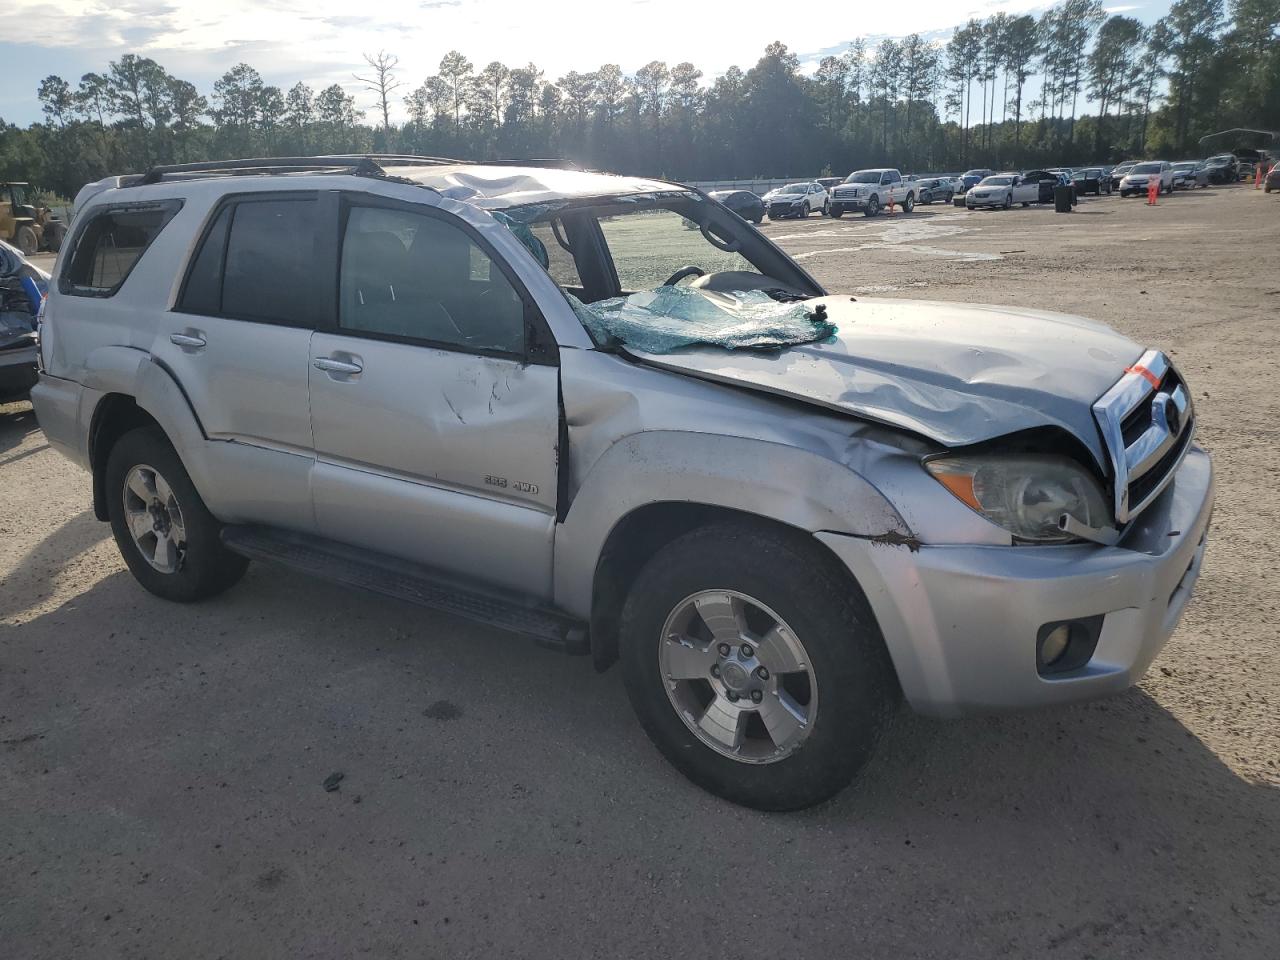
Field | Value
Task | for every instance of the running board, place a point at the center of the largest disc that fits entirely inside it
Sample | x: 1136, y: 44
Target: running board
x: 413, y: 582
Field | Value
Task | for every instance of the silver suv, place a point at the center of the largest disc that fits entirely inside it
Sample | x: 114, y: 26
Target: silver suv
x: 508, y: 392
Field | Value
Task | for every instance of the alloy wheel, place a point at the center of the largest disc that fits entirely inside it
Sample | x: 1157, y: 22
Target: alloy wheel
x: 154, y: 518
x: 738, y: 676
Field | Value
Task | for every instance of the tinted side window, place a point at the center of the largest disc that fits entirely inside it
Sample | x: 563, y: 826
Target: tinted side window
x: 270, y: 262
x: 408, y: 275
x: 203, y: 292
x: 109, y: 245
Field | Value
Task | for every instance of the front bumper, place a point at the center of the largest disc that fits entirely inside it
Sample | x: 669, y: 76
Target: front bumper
x: 850, y: 203
x: 960, y: 622
x: 971, y: 201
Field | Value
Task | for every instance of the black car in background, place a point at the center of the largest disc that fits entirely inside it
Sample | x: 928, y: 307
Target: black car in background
x: 1223, y: 168
x: 742, y: 202
x: 1091, y: 180
x: 1272, y: 182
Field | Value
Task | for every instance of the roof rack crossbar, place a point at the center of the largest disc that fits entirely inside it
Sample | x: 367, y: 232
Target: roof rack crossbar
x: 359, y: 165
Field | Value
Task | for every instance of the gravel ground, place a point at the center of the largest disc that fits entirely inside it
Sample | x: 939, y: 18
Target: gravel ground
x: 161, y: 767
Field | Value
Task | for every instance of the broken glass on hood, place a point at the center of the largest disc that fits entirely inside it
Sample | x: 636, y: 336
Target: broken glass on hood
x: 671, y: 317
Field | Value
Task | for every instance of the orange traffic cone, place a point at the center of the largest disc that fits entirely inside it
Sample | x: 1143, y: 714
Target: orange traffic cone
x: 1257, y: 177
x: 1153, y: 190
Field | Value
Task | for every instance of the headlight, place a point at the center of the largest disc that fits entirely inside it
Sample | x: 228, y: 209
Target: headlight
x: 1025, y: 494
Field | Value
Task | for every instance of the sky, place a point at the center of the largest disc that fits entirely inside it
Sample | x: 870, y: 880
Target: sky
x: 321, y: 41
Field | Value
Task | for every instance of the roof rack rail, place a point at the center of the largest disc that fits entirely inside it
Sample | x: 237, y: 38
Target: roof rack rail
x: 554, y: 163
x: 355, y: 164
x: 393, y: 159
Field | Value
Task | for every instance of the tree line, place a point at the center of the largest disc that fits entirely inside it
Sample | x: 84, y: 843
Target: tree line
x: 906, y: 102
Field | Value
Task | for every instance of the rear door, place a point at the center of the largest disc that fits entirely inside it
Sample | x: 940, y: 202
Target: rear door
x: 237, y: 343
x: 436, y: 427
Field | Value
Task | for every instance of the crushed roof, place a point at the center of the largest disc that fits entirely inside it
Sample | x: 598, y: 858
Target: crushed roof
x: 499, y: 187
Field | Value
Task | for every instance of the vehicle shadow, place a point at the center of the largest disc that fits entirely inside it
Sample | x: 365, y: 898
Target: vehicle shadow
x: 1106, y: 829
x: 17, y: 422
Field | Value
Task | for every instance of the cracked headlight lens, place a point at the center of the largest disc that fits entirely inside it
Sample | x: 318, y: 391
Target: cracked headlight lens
x: 1025, y: 494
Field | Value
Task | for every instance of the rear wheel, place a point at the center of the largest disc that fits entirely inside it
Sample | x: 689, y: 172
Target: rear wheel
x: 909, y: 204
x: 754, y: 666
x: 164, y: 531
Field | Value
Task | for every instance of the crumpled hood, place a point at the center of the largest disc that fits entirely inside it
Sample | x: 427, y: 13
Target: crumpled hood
x: 955, y: 373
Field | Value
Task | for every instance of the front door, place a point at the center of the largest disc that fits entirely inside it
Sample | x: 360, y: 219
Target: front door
x: 435, y: 439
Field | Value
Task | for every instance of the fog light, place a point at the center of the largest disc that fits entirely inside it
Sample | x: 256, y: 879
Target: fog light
x: 1054, y: 645
x: 1065, y: 646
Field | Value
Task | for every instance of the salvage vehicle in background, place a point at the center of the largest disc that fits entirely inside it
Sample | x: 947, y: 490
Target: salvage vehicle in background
x: 1244, y: 169
x: 1222, y: 168
x: 871, y: 191
x: 1118, y: 172
x: 742, y: 202
x: 1002, y: 507
x: 971, y: 178
x: 1002, y: 190
x: 1189, y: 174
x: 22, y: 287
x: 1091, y: 180
x: 1136, y: 181
x: 1272, y: 182
x: 27, y: 223
x: 796, y: 200
x: 931, y: 189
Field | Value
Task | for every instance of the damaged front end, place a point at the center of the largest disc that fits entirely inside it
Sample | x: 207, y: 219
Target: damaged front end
x: 22, y: 289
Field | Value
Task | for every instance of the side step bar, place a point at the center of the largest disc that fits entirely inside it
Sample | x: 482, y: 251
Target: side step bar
x: 418, y: 584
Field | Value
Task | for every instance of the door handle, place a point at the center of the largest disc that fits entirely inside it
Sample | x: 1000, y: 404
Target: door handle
x: 186, y: 341
x: 330, y: 365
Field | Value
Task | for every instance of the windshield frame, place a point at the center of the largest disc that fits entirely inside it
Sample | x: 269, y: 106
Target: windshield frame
x: 594, y: 259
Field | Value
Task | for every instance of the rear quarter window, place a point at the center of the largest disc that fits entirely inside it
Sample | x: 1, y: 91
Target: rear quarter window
x: 109, y: 245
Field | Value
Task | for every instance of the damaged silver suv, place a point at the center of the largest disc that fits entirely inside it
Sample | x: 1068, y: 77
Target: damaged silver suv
x: 607, y: 413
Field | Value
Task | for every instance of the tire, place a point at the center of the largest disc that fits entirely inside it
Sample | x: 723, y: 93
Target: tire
x: 909, y: 203
x: 1008, y: 200
x: 203, y: 567
x: 836, y: 211
x: 872, y: 207
x: 805, y: 211
x: 842, y: 649
x: 826, y: 208
x: 25, y: 240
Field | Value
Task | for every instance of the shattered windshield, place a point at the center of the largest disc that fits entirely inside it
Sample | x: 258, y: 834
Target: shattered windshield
x: 663, y: 272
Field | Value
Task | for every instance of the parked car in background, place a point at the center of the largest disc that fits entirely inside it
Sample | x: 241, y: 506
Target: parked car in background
x: 1002, y: 190
x: 796, y: 200
x: 1222, y: 168
x: 742, y: 202
x: 1118, y: 172
x: 971, y: 178
x: 1045, y: 181
x: 870, y: 191
x: 1189, y: 174
x: 1244, y: 169
x: 1273, y: 179
x: 930, y: 189
x: 972, y: 508
x: 1137, y: 179
x: 1091, y: 180
x: 22, y: 287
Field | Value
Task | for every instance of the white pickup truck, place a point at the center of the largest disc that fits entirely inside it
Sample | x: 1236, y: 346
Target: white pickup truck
x: 872, y: 190
x: 1003, y: 190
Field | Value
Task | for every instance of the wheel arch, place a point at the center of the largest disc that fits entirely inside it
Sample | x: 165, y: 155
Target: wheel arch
x: 639, y: 535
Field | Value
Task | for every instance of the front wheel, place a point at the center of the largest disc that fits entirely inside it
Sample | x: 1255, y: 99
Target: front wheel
x: 873, y: 207
x: 167, y: 536
x: 805, y: 211
x: 1008, y: 200
x: 836, y: 211
x: 755, y: 666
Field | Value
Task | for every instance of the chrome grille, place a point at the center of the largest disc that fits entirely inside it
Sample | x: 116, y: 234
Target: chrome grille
x: 1147, y: 421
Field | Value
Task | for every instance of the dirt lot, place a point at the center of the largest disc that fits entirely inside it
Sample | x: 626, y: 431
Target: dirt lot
x: 161, y: 766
